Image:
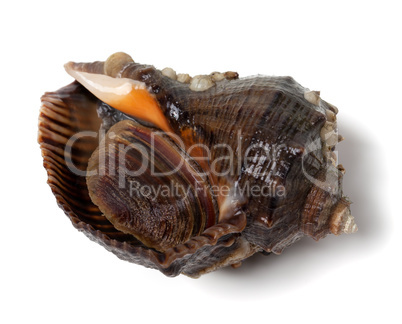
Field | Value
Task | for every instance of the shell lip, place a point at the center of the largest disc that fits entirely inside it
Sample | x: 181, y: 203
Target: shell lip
x: 60, y: 113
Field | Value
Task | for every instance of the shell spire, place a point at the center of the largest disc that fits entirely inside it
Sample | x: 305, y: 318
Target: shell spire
x: 342, y: 220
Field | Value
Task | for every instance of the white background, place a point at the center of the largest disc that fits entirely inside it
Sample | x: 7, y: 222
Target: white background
x: 350, y: 50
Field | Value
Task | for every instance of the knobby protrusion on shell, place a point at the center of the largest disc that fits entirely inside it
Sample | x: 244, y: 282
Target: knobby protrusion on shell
x: 183, y: 78
x: 313, y: 97
x: 331, y: 116
x: 332, y: 108
x: 329, y: 133
x: 116, y: 63
x: 170, y: 73
x: 201, y: 83
x: 231, y: 75
x: 217, y: 76
x: 341, y: 169
x: 279, y: 136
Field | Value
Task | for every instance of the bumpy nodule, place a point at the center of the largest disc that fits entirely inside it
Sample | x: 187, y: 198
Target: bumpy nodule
x: 188, y: 174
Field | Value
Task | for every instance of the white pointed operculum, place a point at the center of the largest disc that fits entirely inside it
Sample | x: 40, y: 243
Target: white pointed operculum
x: 104, y: 87
x: 129, y: 96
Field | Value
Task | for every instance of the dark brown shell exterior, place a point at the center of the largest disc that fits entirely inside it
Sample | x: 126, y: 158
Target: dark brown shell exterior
x: 258, y: 112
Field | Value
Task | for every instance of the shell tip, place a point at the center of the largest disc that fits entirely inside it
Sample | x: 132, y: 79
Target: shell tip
x: 342, y: 221
x: 350, y: 226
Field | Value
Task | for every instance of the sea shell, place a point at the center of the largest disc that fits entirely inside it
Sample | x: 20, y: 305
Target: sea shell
x: 253, y: 159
